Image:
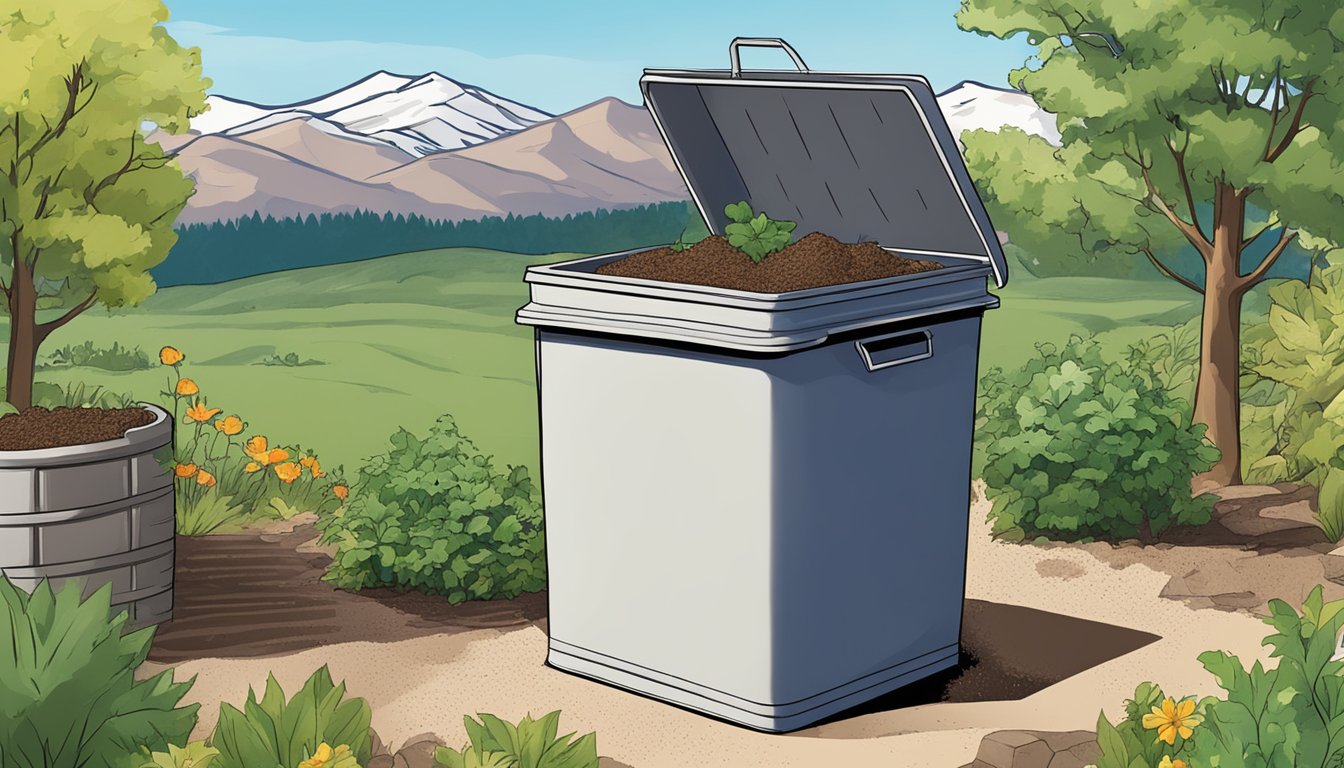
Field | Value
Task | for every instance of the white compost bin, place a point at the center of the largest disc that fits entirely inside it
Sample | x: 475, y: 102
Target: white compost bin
x: 756, y: 504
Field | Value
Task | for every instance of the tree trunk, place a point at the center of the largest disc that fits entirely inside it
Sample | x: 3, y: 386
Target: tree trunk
x: 1218, y: 389
x: 23, y: 338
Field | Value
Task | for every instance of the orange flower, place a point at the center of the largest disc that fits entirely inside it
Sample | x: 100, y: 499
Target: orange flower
x: 184, y: 470
x: 255, y: 447
x: 313, y: 466
x: 229, y: 425
x: 198, y: 412
x: 205, y: 478
x: 289, y: 471
x: 170, y: 356
x: 340, y: 491
x: 276, y: 456
x: 251, y: 467
x: 187, y: 388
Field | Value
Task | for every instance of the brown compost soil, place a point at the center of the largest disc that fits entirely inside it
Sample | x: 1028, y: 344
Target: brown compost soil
x: 40, y: 428
x: 814, y: 261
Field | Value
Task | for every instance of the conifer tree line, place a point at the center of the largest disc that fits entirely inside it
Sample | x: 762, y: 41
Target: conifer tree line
x: 254, y: 245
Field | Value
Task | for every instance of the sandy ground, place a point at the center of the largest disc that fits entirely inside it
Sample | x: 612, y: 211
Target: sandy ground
x: 425, y: 684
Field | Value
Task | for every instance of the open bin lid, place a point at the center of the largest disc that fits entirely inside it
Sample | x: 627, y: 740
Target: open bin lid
x: 855, y: 156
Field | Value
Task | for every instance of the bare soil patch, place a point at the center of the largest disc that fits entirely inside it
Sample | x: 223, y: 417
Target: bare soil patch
x: 36, y: 427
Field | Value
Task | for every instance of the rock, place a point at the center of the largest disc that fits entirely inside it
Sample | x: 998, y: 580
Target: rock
x: 1037, y: 749
x: 1229, y: 492
x: 382, y: 761
x: 417, y: 753
x: 607, y: 762
x: 376, y: 745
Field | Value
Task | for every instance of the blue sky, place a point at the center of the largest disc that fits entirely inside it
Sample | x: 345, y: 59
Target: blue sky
x: 561, y: 55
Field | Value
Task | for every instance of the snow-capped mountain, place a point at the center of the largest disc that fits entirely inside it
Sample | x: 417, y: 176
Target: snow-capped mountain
x: 420, y: 116
x: 969, y: 105
x: 433, y: 146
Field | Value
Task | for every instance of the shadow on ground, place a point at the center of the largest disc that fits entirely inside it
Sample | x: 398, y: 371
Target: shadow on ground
x: 1010, y: 652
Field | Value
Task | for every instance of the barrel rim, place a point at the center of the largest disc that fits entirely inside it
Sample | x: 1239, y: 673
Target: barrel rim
x: 138, y: 440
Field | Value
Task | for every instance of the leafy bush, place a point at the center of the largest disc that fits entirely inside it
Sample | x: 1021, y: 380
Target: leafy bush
x: 757, y: 236
x: 1075, y: 447
x: 225, y: 479
x: 1156, y: 730
x: 530, y: 744
x: 434, y: 515
x: 288, y: 360
x: 1303, y: 352
x: 68, y: 691
x: 275, y: 733
x: 195, y: 755
x: 1287, y: 716
x: 86, y: 355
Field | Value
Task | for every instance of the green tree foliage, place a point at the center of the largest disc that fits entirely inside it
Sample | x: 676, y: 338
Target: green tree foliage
x: 219, y: 251
x: 86, y: 206
x: 1168, y: 112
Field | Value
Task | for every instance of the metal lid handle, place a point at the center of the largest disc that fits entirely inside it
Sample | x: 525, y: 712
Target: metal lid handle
x: 761, y: 42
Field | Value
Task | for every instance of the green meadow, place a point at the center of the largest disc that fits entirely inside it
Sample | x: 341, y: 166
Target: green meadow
x: 402, y: 339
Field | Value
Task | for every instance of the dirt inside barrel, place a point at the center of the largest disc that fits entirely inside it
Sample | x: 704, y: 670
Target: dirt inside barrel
x: 814, y: 261
x: 37, y: 427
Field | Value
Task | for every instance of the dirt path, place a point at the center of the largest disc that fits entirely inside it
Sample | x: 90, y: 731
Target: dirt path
x: 1057, y: 633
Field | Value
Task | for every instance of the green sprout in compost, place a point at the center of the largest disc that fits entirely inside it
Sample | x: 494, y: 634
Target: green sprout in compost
x: 755, y: 234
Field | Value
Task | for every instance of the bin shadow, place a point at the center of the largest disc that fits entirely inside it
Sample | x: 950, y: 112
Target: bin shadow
x: 1009, y: 652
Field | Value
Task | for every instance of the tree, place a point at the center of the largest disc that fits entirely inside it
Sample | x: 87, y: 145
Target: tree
x: 86, y: 204
x: 1168, y: 111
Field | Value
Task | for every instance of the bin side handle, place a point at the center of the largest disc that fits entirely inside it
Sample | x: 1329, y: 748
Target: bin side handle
x: 734, y: 58
x: 895, y: 349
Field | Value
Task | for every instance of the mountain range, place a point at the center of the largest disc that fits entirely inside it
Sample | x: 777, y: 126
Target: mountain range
x: 447, y: 150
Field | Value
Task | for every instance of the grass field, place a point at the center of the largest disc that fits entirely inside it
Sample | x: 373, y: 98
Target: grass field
x: 406, y: 338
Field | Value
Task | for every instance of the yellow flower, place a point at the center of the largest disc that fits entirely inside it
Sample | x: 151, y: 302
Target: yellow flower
x: 325, y: 755
x: 198, y: 412
x: 205, y: 478
x: 256, y: 449
x: 229, y: 425
x: 289, y: 471
x: 340, y: 491
x: 1167, y: 762
x: 313, y: 466
x: 1171, y: 719
x: 251, y: 467
x: 170, y: 356
x: 184, y: 470
x: 187, y: 388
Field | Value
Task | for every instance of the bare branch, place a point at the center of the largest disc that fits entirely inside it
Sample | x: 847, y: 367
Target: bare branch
x: 1190, y: 231
x: 45, y: 329
x: 1294, y: 128
x: 1285, y: 238
x: 1179, y: 157
x: 89, y: 194
x: 1273, y: 223
x: 1169, y: 272
x: 74, y: 85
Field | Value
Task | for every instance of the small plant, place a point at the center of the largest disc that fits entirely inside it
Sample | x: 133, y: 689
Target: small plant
x: 681, y: 243
x: 68, y: 688
x: 288, y: 360
x: 530, y: 744
x: 86, y: 355
x: 275, y: 732
x: 1287, y: 716
x: 225, y: 478
x: 1074, y: 447
x: 436, y: 516
x: 755, y: 234
x: 195, y: 755
x: 1157, y: 731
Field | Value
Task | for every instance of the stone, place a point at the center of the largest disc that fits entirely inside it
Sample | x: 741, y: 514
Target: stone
x: 418, y: 753
x: 1037, y: 749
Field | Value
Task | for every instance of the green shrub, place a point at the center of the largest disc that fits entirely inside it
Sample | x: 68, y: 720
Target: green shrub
x: 1303, y: 351
x: 275, y: 733
x: 194, y: 755
x: 114, y: 358
x: 1153, y: 731
x: 530, y: 744
x: 68, y: 693
x: 288, y: 360
x: 434, y: 515
x: 1292, y: 715
x: 1076, y: 447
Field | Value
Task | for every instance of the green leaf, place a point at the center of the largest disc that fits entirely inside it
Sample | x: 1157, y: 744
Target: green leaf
x: 739, y: 212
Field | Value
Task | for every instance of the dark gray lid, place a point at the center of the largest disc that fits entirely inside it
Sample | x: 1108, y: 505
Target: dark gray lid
x: 858, y: 157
